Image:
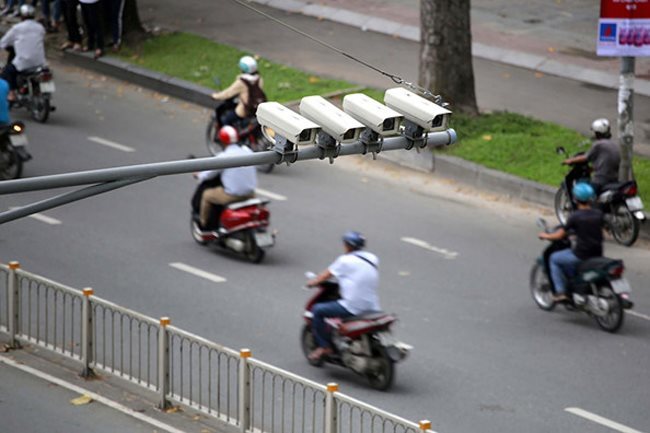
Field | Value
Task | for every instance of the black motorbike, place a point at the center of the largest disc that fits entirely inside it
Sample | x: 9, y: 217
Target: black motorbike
x: 13, y: 150
x: 249, y: 130
x: 619, y: 201
x: 599, y: 288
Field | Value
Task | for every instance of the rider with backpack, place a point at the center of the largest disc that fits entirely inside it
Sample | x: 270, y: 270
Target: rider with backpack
x: 248, y: 88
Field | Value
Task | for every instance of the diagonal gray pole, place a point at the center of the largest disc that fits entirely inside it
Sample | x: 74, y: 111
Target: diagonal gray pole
x: 66, y: 198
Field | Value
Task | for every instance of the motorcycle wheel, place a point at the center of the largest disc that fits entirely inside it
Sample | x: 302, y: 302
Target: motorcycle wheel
x: 253, y: 252
x: 214, y: 147
x: 613, y: 321
x: 11, y: 166
x: 40, y: 109
x: 194, y: 231
x: 563, y: 206
x: 540, y: 288
x: 624, y: 226
x: 308, y: 345
x: 264, y: 144
x: 381, y: 378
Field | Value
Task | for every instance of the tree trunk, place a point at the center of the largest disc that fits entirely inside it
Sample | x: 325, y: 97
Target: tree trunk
x: 132, y: 29
x: 446, y: 52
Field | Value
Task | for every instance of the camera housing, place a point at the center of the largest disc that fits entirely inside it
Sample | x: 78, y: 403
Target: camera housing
x: 276, y: 119
x: 375, y: 115
x: 429, y: 116
x: 335, y: 122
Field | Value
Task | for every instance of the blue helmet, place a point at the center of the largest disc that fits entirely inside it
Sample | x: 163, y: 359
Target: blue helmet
x: 354, y: 239
x: 583, y: 192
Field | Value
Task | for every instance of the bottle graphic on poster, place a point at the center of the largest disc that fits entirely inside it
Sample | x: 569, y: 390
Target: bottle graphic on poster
x: 622, y: 36
x: 646, y: 36
x: 638, y: 37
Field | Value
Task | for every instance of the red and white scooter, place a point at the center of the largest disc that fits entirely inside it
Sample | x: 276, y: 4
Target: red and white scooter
x: 362, y: 343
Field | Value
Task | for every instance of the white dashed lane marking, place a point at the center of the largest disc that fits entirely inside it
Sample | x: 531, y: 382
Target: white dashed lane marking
x: 198, y: 272
x: 112, y: 144
x: 423, y: 244
x: 639, y: 315
x: 269, y: 194
x: 601, y: 420
x: 42, y: 218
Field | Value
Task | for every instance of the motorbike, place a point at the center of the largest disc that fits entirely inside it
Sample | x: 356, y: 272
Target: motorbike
x: 598, y: 289
x: 619, y: 201
x: 13, y: 150
x: 361, y: 343
x: 35, y: 90
x: 243, y: 227
x: 249, y: 130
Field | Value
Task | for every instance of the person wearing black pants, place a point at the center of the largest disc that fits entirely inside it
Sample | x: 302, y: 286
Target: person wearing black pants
x: 91, y: 13
x: 115, y: 9
x: 69, y: 8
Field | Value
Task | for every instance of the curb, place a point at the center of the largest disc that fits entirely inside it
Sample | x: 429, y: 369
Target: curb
x: 450, y: 167
x: 487, y: 52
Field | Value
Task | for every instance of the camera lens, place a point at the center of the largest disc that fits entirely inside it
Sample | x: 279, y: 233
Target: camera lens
x: 349, y: 134
x: 437, y: 121
x: 305, y: 135
x: 389, y: 124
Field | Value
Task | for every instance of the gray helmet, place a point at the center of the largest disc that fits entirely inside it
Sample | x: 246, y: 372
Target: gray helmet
x: 27, y: 11
x: 354, y: 239
x: 600, y: 126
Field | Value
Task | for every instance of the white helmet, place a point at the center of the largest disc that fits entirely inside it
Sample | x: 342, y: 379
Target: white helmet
x: 600, y: 126
x: 248, y: 65
x: 27, y: 11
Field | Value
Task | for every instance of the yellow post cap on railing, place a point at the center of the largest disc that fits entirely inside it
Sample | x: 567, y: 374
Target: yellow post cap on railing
x: 245, y: 353
x: 14, y: 265
x: 88, y: 291
x: 164, y: 321
x: 332, y: 387
x: 425, y: 425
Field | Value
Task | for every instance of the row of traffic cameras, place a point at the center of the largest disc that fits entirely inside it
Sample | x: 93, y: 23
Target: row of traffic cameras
x: 362, y: 119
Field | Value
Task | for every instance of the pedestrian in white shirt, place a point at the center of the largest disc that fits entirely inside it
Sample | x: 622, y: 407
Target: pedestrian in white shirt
x: 27, y: 41
x: 90, y: 9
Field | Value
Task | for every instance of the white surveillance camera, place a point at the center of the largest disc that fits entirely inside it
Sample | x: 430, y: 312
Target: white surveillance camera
x: 338, y: 124
x: 276, y: 119
x: 373, y: 114
x: 421, y: 111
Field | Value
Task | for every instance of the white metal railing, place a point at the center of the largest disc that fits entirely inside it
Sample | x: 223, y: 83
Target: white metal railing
x: 179, y: 366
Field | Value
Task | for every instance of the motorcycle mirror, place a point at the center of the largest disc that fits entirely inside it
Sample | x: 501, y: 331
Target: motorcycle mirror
x: 310, y: 275
x: 541, y: 223
x: 560, y: 150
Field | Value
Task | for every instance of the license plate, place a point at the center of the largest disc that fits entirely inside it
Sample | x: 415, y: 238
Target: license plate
x: 18, y: 140
x: 264, y: 239
x: 621, y: 286
x: 634, y: 203
x: 47, y: 87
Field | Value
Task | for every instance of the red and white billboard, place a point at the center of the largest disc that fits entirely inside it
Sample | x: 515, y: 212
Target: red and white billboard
x: 624, y: 28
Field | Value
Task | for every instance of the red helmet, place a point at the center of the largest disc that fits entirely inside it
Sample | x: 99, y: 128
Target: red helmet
x: 228, y: 135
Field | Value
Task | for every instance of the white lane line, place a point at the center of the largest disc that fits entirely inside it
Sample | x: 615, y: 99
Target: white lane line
x: 112, y: 144
x: 270, y: 194
x: 427, y: 246
x: 198, y: 272
x: 42, y: 218
x: 601, y: 420
x: 639, y: 315
x: 103, y: 400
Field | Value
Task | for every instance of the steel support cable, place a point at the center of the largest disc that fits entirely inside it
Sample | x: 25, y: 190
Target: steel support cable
x: 395, y: 78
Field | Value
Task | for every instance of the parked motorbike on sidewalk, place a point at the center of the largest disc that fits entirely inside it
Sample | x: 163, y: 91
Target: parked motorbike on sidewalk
x: 35, y: 90
x: 361, y: 343
x: 619, y: 201
x: 598, y: 289
x: 249, y: 130
x: 13, y: 150
x: 243, y: 227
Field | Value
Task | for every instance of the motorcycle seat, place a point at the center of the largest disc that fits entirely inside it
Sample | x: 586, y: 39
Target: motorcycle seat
x: 246, y: 203
x: 598, y: 264
x: 366, y: 316
x: 31, y: 71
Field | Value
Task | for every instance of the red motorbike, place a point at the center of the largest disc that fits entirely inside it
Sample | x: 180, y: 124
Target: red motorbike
x: 242, y: 227
x: 361, y: 343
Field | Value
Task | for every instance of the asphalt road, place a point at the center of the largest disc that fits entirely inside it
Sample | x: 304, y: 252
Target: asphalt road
x: 485, y: 359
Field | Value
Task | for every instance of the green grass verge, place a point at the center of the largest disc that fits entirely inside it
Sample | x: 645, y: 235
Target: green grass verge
x: 202, y: 61
x: 525, y: 147
x: 508, y: 142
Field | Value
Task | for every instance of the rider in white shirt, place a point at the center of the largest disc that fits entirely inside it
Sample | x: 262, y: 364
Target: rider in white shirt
x: 236, y: 184
x: 27, y: 40
x: 358, y: 277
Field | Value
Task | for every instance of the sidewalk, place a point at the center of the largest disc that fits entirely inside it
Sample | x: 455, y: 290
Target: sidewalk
x: 555, y: 37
